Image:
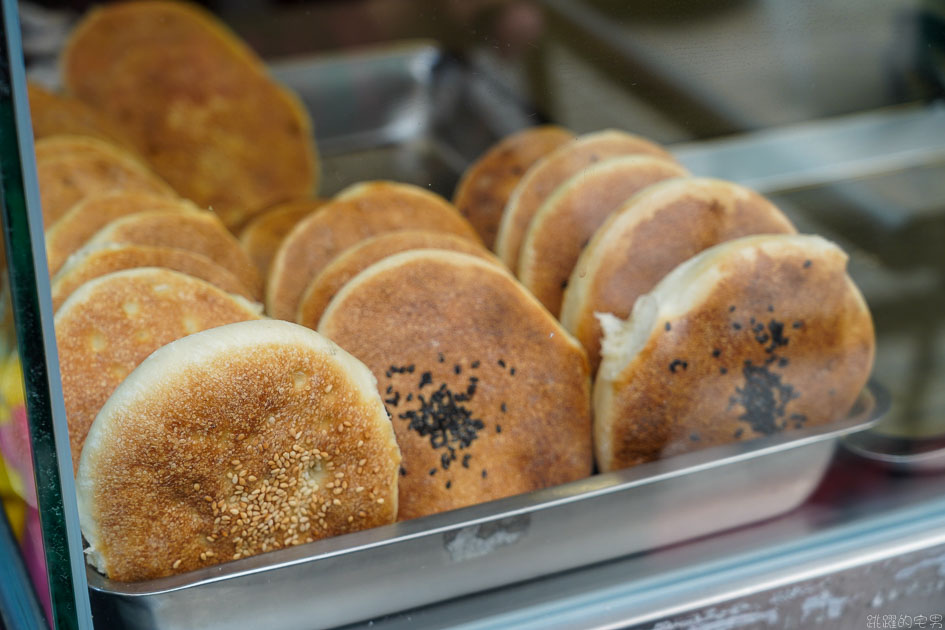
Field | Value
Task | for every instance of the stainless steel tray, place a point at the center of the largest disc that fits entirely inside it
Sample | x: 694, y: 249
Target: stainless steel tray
x: 363, y: 575
x: 411, y: 114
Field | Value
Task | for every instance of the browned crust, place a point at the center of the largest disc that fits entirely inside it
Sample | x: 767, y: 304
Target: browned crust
x: 73, y: 168
x: 199, y: 232
x: 568, y: 219
x: 262, y: 236
x: 57, y: 114
x: 357, y: 213
x: 362, y: 255
x: 111, y: 324
x: 783, y: 340
x: 458, y: 336
x: 551, y: 171
x: 487, y: 184
x: 650, y: 235
x: 98, y: 261
x: 197, y: 103
x: 87, y: 217
x: 220, y: 450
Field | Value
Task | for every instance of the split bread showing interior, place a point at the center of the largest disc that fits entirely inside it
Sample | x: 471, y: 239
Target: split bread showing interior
x: 488, y: 395
x: 234, y: 441
x: 752, y: 337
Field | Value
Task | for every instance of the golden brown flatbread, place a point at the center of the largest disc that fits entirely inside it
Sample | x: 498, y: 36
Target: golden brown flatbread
x: 660, y: 227
x: 262, y: 236
x: 199, y: 232
x: 57, y: 114
x: 358, y: 212
x: 110, y: 324
x: 489, y: 395
x: 80, y: 223
x: 73, y: 168
x: 752, y: 337
x: 362, y: 255
x: 553, y: 170
x: 230, y: 442
x: 487, y: 184
x: 198, y: 104
x: 569, y: 217
x: 92, y: 262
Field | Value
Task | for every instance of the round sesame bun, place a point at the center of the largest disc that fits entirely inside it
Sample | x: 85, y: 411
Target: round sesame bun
x: 98, y: 260
x: 72, y: 168
x: 197, y: 102
x: 569, y: 217
x: 262, y: 236
x: 487, y: 184
x: 362, y: 255
x: 489, y: 396
x: 110, y: 324
x: 57, y: 114
x: 752, y: 337
x: 554, y: 169
x: 87, y: 217
x: 198, y: 232
x: 231, y: 442
x: 358, y: 212
x: 645, y: 238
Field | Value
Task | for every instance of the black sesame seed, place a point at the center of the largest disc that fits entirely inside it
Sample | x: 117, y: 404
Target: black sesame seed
x: 475, y: 364
x: 410, y: 368
x: 403, y: 471
x: 723, y: 370
x: 807, y: 264
x: 409, y: 397
x: 797, y: 324
x: 512, y: 372
x: 716, y: 353
x: 564, y: 285
x: 449, y: 484
x: 503, y: 407
x: 465, y: 461
x: 694, y: 437
x: 731, y: 309
x: 457, y: 369
x: 668, y: 326
x: 739, y: 432
x: 441, y: 357
x: 498, y: 428
x: 736, y: 326
x: 501, y: 363
x: 432, y: 471
x: 677, y: 363
x: 425, y: 379
x: 771, y: 308
x: 484, y: 473
x: 390, y: 388
x: 388, y: 374
x: 782, y: 362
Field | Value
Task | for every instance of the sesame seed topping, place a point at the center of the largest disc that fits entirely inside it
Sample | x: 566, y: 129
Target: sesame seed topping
x: 176, y: 563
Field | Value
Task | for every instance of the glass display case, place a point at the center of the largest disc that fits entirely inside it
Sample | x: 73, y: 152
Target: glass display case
x: 832, y: 111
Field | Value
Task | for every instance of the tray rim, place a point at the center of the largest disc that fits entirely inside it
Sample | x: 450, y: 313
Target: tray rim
x: 874, y: 399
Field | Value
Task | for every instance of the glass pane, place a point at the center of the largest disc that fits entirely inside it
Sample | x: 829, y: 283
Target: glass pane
x: 39, y: 478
